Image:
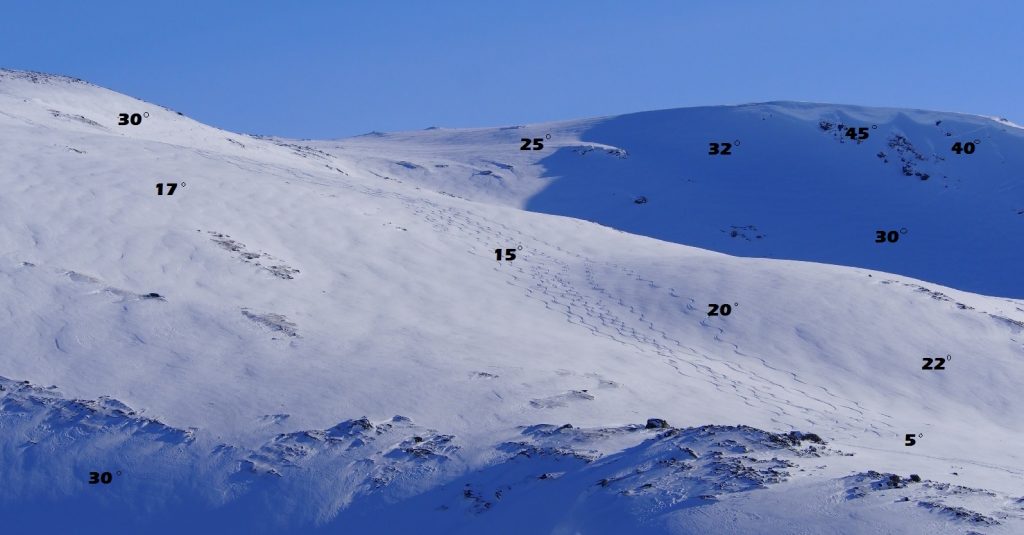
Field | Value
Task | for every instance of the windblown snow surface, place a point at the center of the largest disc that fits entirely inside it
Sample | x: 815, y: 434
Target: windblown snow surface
x: 317, y: 336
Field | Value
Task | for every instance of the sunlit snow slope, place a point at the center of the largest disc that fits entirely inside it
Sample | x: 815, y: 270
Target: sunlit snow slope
x: 792, y: 186
x: 317, y: 335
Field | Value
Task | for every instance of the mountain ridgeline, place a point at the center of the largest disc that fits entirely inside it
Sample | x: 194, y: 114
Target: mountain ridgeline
x: 935, y: 196
x: 525, y: 329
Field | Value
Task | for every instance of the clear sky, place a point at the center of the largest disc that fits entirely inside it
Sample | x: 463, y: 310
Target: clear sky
x: 323, y: 69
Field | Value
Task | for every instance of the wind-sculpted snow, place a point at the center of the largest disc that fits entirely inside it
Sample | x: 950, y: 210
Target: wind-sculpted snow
x: 267, y: 321
x: 317, y: 475
x: 52, y: 444
x: 364, y: 474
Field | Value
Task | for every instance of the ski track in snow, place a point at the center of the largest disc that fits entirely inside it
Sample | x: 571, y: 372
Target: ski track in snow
x: 549, y: 280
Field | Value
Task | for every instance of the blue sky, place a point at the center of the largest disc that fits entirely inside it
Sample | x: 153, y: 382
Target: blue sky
x: 322, y: 69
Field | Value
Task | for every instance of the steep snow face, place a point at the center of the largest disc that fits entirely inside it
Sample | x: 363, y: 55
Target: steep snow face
x: 207, y: 343
x: 786, y: 182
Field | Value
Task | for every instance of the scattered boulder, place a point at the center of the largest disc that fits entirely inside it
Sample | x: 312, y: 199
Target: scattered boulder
x: 812, y: 437
x: 656, y: 423
x: 796, y: 437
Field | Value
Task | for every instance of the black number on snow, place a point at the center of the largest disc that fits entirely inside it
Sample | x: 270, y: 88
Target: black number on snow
x: 719, y: 310
x: 171, y: 186
x: 934, y: 364
x: 538, y: 143
x: 881, y: 236
x: 963, y: 148
x: 909, y: 440
x: 133, y: 119
x: 857, y: 134
x: 97, y: 477
x: 722, y: 149
x: 509, y: 254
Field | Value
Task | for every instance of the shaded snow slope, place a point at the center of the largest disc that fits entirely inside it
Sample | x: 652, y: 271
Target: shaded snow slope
x: 394, y: 476
x: 287, y: 287
x: 793, y: 186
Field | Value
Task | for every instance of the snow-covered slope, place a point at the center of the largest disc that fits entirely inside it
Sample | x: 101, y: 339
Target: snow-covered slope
x: 307, y: 335
x: 792, y: 186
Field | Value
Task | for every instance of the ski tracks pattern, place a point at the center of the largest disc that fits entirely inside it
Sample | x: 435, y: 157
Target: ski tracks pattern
x: 570, y: 283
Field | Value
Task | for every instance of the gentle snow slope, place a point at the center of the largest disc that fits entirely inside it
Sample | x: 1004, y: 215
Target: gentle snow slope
x: 297, y: 288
